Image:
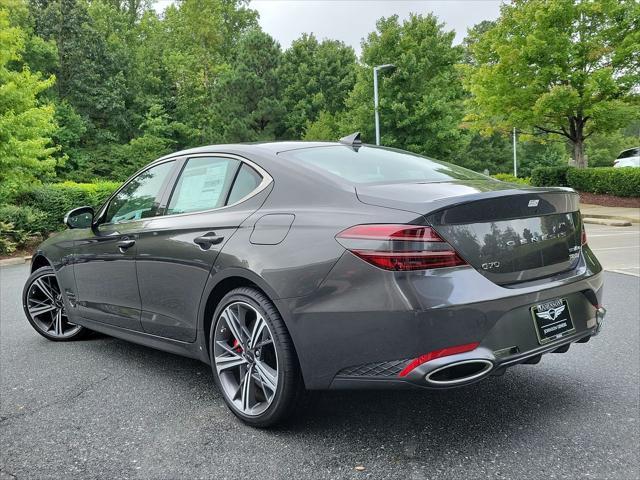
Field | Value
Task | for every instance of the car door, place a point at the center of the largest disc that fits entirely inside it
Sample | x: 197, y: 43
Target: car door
x: 212, y: 196
x: 104, y: 264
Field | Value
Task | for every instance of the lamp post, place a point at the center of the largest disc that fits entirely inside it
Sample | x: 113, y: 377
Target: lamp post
x: 375, y: 96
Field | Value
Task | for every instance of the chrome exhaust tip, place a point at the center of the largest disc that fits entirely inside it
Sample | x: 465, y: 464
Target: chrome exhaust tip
x: 459, y: 372
x: 600, y: 314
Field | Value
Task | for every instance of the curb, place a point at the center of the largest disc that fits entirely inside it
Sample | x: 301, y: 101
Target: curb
x: 611, y: 217
x: 606, y: 221
x: 14, y: 261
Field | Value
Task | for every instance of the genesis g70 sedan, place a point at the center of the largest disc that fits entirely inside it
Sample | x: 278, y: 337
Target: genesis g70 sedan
x: 297, y: 266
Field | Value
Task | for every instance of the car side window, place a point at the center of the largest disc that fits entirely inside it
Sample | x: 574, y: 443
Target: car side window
x: 203, y: 184
x: 246, y: 182
x: 138, y: 199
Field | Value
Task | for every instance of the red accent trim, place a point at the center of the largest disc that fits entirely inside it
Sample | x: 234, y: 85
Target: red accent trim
x: 445, y: 352
x: 411, y: 260
x: 391, y: 231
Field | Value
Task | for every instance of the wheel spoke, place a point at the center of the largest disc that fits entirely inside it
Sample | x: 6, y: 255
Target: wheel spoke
x: 58, y: 322
x: 234, y: 325
x: 228, y: 359
x: 40, y: 309
x: 246, y: 389
x: 268, y: 376
x: 43, y: 288
x: 258, y: 328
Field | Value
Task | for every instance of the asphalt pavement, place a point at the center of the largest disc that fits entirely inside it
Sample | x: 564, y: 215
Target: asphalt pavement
x: 617, y: 248
x: 105, y: 408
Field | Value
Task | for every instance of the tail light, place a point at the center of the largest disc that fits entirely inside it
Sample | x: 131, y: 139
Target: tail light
x: 399, y: 247
x: 583, y: 236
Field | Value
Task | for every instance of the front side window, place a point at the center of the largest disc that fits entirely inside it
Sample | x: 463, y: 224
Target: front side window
x: 138, y: 199
x: 203, y: 184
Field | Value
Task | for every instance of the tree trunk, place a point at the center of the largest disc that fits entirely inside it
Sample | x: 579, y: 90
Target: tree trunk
x: 579, y: 158
x: 577, y: 131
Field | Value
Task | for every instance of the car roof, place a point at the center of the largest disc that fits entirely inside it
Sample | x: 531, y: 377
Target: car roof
x: 254, y: 147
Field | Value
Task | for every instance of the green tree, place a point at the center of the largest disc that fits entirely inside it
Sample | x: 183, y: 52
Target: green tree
x: 421, y: 100
x: 316, y: 76
x: 248, y: 102
x: 199, y: 42
x: 26, y: 122
x: 562, y: 67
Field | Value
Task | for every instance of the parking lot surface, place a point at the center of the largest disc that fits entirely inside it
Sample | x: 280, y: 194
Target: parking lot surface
x: 617, y: 248
x: 105, y: 408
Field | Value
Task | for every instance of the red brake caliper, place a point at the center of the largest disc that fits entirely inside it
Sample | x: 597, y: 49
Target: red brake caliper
x: 236, y: 345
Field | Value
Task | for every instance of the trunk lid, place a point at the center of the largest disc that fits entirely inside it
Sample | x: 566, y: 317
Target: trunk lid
x: 509, y: 234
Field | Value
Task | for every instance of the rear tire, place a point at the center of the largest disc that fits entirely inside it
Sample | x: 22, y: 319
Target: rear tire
x: 44, y: 307
x: 258, y: 374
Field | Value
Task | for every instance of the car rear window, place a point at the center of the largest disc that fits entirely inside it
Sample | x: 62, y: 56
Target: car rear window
x: 379, y: 165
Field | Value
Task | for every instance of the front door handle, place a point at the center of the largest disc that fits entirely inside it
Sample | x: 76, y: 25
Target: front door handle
x: 125, y: 243
x: 208, y: 239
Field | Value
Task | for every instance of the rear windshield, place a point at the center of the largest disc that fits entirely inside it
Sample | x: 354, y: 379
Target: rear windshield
x: 632, y: 152
x: 379, y: 165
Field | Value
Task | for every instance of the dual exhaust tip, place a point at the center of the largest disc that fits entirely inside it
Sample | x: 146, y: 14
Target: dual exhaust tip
x: 459, y: 372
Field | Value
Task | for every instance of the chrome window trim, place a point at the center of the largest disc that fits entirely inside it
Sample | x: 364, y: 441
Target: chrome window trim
x: 266, y: 181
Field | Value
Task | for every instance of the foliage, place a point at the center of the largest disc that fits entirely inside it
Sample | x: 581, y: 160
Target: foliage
x: 603, y: 149
x: 505, y: 177
x: 7, y: 243
x: 23, y: 219
x: 249, y: 106
x: 315, y: 76
x: 563, y: 67
x: 550, y: 176
x: 326, y: 127
x: 56, y: 199
x: 623, y: 182
x: 421, y: 100
x: 26, y: 121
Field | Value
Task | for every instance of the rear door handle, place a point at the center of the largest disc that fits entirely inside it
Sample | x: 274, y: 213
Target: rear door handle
x: 125, y: 244
x: 208, y: 239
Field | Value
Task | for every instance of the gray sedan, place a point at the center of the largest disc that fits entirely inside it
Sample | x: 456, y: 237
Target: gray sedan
x: 300, y: 266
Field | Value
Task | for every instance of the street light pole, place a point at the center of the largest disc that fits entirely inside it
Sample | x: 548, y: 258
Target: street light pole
x: 515, y: 157
x: 375, y: 97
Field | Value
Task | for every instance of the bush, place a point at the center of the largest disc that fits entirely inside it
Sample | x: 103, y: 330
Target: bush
x: 54, y: 200
x: 622, y: 182
x: 507, y: 177
x: 550, y: 176
x: 21, y: 221
x: 7, y: 244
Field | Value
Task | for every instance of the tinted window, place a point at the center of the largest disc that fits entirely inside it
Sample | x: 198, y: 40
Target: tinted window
x: 246, y: 182
x: 138, y: 198
x: 370, y: 165
x: 632, y: 152
x: 203, y: 184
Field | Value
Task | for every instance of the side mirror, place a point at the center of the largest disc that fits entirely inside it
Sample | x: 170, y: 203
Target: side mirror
x: 81, y: 217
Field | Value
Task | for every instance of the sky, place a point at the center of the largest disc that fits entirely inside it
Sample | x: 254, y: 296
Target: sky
x: 352, y: 20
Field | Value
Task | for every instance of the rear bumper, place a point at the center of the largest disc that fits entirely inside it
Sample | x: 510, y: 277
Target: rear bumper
x: 364, y: 325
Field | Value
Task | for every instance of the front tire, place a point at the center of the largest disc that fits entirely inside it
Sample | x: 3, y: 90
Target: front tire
x: 253, y: 359
x: 44, y: 307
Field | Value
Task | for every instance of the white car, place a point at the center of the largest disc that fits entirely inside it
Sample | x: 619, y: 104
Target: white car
x: 628, y: 158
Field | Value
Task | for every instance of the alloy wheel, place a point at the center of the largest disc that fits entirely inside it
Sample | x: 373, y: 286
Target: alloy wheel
x: 46, y: 308
x: 245, y: 358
